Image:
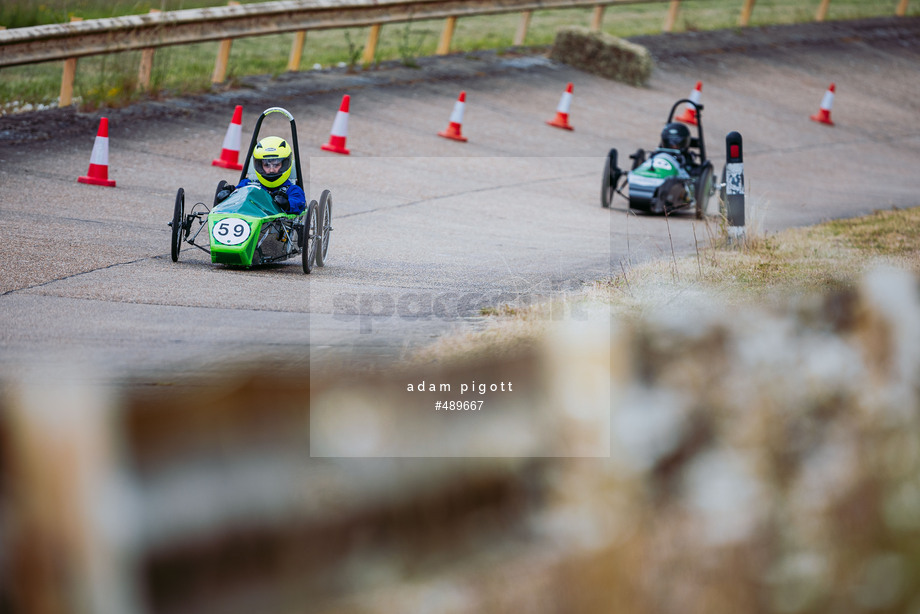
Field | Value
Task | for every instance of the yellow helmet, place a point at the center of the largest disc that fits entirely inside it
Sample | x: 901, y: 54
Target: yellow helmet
x: 268, y: 153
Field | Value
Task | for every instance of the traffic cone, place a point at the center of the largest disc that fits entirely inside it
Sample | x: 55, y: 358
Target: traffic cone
x: 562, y: 111
x: 98, y: 173
x: 339, y: 129
x: 455, y: 126
x: 230, y: 153
x: 824, y: 113
x: 689, y: 114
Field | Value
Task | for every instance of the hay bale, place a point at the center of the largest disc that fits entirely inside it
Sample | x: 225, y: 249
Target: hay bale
x: 602, y: 54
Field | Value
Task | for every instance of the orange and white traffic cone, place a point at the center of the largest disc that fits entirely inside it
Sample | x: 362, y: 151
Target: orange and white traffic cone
x: 98, y: 173
x: 339, y: 132
x: 455, y: 126
x: 230, y: 153
x: 689, y: 114
x: 562, y: 111
x: 824, y: 113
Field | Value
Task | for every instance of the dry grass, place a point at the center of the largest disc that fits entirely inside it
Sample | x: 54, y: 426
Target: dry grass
x: 816, y: 258
x: 768, y: 268
x: 828, y: 256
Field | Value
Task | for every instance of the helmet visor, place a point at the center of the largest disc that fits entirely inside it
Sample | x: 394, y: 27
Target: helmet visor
x: 270, y: 166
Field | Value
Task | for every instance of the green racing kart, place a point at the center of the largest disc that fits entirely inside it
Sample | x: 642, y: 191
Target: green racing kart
x: 247, y: 228
x: 677, y: 175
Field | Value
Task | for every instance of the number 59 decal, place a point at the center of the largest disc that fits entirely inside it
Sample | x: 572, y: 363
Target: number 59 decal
x: 231, y: 231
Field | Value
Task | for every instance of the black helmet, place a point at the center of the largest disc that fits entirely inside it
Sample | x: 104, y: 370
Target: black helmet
x: 675, y: 136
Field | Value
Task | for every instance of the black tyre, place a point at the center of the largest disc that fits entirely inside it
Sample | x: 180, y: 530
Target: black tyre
x: 220, y: 186
x: 310, y: 228
x: 704, y: 191
x: 324, y: 217
x: 177, y: 224
x: 610, y: 178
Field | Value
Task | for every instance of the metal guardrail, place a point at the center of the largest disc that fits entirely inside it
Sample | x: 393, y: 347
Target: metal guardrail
x: 98, y: 36
x: 159, y: 29
x: 148, y: 32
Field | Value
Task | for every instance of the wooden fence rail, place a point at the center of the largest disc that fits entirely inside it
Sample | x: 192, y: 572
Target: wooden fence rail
x: 69, y: 41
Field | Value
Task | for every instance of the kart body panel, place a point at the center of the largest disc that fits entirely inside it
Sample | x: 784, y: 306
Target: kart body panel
x: 248, y: 229
x: 659, y: 184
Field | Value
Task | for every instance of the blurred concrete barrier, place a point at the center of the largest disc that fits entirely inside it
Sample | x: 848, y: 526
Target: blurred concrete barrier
x: 204, y: 497
x: 6, y: 529
x: 688, y: 457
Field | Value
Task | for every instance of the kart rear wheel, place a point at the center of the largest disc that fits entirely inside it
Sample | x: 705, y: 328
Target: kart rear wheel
x: 310, y: 228
x: 610, y: 179
x: 177, y: 223
x: 704, y: 190
x: 324, y: 218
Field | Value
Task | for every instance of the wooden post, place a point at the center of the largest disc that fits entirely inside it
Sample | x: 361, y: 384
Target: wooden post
x: 671, y: 19
x: 145, y: 70
x: 902, y: 8
x: 223, y: 55
x: 70, y: 71
x: 446, y: 35
x: 822, y: 10
x: 523, y: 26
x: 370, y: 48
x: 223, y: 59
x: 597, y: 18
x: 746, y: 11
x: 297, y: 50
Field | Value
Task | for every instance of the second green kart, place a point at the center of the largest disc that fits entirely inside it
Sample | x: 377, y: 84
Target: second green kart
x: 677, y: 175
x: 248, y: 229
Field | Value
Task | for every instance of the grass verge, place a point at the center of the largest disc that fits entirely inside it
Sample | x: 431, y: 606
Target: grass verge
x: 768, y: 269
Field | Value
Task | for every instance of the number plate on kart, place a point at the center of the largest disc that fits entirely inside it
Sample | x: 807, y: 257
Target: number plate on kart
x: 231, y: 231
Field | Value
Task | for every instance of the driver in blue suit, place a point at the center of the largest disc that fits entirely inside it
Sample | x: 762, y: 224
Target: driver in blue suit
x: 272, y: 160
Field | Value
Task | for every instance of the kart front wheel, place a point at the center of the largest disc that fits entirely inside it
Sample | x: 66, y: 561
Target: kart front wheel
x: 310, y: 228
x: 176, y: 224
x: 324, y: 218
x: 704, y: 191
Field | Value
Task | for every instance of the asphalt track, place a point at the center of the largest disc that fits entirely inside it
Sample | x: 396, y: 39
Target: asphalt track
x: 427, y: 231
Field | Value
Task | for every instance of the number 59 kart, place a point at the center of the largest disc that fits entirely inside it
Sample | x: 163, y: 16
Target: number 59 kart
x: 248, y: 228
x: 675, y: 176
